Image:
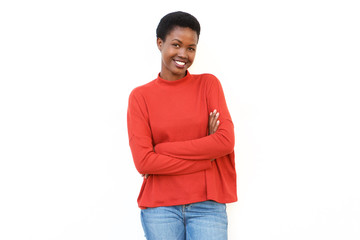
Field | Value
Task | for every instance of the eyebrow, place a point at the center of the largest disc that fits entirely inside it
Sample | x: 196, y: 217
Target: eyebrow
x: 182, y: 42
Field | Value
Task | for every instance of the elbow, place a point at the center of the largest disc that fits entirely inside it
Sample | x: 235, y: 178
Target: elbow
x: 229, y: 145
x: 228, y: 142
x: 141, y: 155
x: 228, y: 136
x: 142, y: 164
x: 140, y: 168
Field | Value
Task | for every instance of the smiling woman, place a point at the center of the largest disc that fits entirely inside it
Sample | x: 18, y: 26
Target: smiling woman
x: 178, y: 52
x: 182, y: 138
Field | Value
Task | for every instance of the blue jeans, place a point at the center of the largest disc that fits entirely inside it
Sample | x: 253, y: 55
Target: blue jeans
x: 198, y: 221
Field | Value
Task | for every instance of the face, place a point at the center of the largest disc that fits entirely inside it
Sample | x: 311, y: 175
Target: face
x: 177, y: 52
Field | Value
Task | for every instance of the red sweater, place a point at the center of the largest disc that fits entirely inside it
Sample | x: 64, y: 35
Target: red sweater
x: 168, y: 137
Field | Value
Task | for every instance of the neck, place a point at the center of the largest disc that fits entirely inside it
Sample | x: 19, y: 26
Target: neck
x: 171, y: 77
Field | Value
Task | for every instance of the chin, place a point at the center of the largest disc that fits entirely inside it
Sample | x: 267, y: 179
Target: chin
x: 179, y: 71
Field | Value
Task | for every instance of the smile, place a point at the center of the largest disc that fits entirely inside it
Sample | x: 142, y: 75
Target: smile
x: 179, y: 63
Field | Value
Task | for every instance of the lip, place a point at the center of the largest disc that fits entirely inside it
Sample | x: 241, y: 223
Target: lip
x: 178, y: 65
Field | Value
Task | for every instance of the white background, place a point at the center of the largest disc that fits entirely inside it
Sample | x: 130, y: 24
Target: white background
x: 290, y: 72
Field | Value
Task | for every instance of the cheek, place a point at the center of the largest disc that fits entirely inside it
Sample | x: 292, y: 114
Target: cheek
x: 167, y: 54
x: 192, y: 57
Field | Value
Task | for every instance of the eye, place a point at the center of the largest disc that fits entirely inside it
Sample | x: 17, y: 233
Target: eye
x: 176, y: 45
x: 191, y: 49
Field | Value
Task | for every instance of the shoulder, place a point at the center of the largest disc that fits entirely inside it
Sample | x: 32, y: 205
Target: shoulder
x: 207, y: 79
x: 138, y: 95
x: 205, y: 76
x: 142, y: 89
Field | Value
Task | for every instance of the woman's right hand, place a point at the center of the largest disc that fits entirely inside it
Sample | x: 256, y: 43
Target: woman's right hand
x: 213, y: 122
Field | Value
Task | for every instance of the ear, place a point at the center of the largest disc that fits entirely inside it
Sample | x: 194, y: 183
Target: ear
x: 159, y: 43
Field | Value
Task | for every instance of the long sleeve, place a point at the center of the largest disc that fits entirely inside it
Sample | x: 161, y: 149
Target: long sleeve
x: 146, y: 160
x: 168, y: 128
x: 215, y: 145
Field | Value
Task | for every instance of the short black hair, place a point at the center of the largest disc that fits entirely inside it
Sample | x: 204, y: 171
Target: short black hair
x: 176, y: 19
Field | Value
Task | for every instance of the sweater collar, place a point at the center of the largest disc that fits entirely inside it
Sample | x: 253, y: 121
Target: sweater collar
x: 180, y: 81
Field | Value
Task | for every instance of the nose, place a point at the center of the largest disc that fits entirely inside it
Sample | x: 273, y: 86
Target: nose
x: 182, y: 53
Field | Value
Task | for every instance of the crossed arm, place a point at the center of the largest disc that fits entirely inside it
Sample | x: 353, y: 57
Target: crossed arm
x: 148, y: 161
x: 218, y: 143
x: 182, y: 157
x: 213, y: 125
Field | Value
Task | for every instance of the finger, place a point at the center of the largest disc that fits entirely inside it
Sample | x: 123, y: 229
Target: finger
x: 217, y: 125
x: 210, y: 118
x: 211, y: 126
x: 211, y: 122
x: 214, y: 116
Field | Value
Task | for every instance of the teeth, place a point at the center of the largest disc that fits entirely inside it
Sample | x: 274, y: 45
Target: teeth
x: 180, y: 63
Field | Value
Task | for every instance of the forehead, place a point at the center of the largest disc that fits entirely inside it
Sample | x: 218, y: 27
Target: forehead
x: 184, y: 34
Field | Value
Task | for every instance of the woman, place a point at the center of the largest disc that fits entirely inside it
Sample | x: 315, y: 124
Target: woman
x: 182, y: 137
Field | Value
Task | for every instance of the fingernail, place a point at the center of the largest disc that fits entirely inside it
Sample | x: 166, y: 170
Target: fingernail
x: 214, y: 110
x: 210, y: 113
x: 218, y: 121
x: 217, y: 114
